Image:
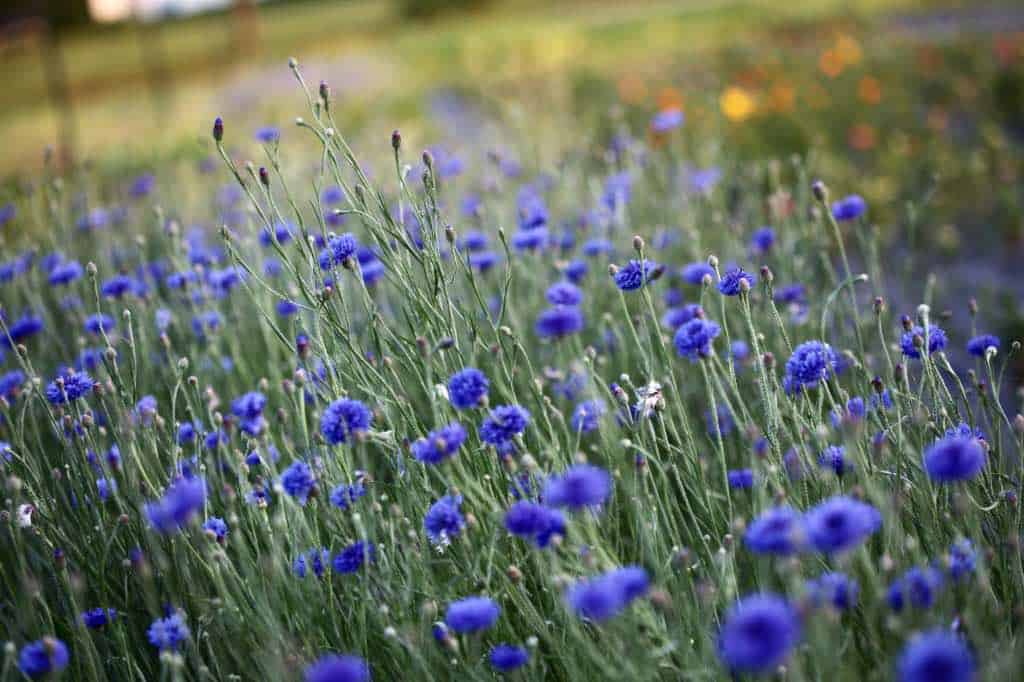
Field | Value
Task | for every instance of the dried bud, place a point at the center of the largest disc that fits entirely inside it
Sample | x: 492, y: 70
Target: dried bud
x: 264, y: 177
x: 819, y: 190
x: 325, y: 92
x: 638, y: 243
x: 766, y: 274
x: 396, y: 140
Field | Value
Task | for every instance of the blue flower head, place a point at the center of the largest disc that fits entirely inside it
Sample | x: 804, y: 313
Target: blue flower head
x: 43, y: 657
x: 605, y: 596
x: 979, y: 344
x: 180, y: 503
x: 836, y: 590
x: 779, y: 531
x: 841, y: 523
x: 634, y: 274
x: 535, y: 522
x: 440, y: 444
x: 334, y: 668
x: 693, y: 339
x: 811, y: 362
x: 936, y: 655
x: 732, y: 282
x: 298, y: 481
x: 587, y: 415
x: 936, y: 340
x: 504, y: 423
x: 313, y: 560
x: 849, y: 208
x: 167, y: 634
x: 343, y: 418
x: 954, y: 458
x: 581, y: 486
x: 758, y: 633
x: 505, y: 657
x: 444, y: 519
x: 918, y: 587
x: 352, y: 558
x: 472, y: 614
x: 467, y: 388
x: 558, y: 322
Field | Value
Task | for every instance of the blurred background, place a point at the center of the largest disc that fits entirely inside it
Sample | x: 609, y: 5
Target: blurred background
x: 916, y: 104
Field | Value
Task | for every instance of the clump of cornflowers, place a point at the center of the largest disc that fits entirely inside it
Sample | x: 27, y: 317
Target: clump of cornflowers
x: 837, y: 590
x: 472, y: 614
x: 936, y: 655
x: 758, y: 633
x: 954, y: 458
x: 440, y: 444
x: 44, y: 657
x: 913, y: 340
x: 444, y: 520
x: 504, y: 423
x: 344, y: 495
x: 335, y: 668
x: 840, y: 523
x: 249, y: 410
x: 811, y: 363
x: 535, y: 522
x: 605, y: 596
x: 180, y: 503
x: 693, y: 339
x: 467, y: 388
x: 506, y: 657
x: 298, y: 481
x: 580, y: 487
x: 635, y: 274
x: 353, y: 557
x: 979, y: 345
x: 343, y: 419
x: 168, y: 634
x: 779, y: 531
x: 735, y: 281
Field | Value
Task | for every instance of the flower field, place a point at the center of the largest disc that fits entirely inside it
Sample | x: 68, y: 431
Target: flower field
x: 625, y: 390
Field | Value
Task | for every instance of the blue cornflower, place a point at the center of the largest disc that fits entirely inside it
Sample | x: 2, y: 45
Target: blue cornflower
x: 105, y: 487
x: 963, y: 559
x: 444, y: 519
x: 576, y: 270
x: 98, y: 323
x: 440, y: 444
x: 779, y: 530
x: 605, y: 596
x: 65, y: 273
x: 583, y: 485
x: 217, y: 527
x: 146, y: 409
x: 344, y: 495
x: 467, y: 388
x: 954, y: 458
x: 918, y: 586
x: 810, y: 363
x: 505, y: 657
x: 936, y: 340
x: 841, y: 523
x: 25, y: 326
x: 352, y: 558
x: 286, y: 308
x: 504, y: 423
x: 666, y: 120
x: 117, y: 286
x: 758, y: 633
x: 97, y: 618
x: 168, y: 633
x: 339, y: 249
x: 75, y: 386
x: 298, y: 481
x: 180, y: 502
x: 284, y: 232
x: 559, y: 321
x: 187, y: 432
x: 634, y: 274
x: 936, y: 656
x: 834, y: 457
x: 249, y: 410
x: 979, y: 344
x: 472, y: 614
x: 11, y: 383
x: 597, y: 246
x: 344, y: 418
x: 694, y: 273
x: 720, y: 423
x: 741, y: 479
x: 849, y: 208
x: 763, y: 239
x: 731, y: 282
x: 587, y: 415
x: 674, y: 318
x: 267, y: 134
x: 530, y: 240
x: 693, y: 339
x: 837, y: 590
x: 42, y: 657
x: 791, y: 294
x: 483, y: 261
x: 534, y: 521
x: 315, y: 560
x: 333, y: 668
x: 564, y: 293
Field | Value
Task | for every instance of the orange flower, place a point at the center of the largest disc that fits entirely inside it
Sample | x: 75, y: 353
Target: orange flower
x: 632, y: 89
x: 862, y: 137
x: 830, y: 63
x: 869, y: 90
x: 737, y: 104
x: 670, y: 98
x: 782, y: 97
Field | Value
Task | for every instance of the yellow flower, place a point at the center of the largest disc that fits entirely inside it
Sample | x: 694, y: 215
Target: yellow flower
x: 737, y: 104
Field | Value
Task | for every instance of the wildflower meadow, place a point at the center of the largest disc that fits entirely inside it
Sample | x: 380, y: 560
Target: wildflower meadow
x: 624, y: 407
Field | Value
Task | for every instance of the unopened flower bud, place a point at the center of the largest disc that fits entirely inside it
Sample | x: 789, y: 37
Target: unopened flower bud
x: 396, y: 140
x: 218, y: 129
x: 819, y: 190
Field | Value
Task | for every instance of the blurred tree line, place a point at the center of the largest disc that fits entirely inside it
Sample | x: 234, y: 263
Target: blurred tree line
x: 58, y: 12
